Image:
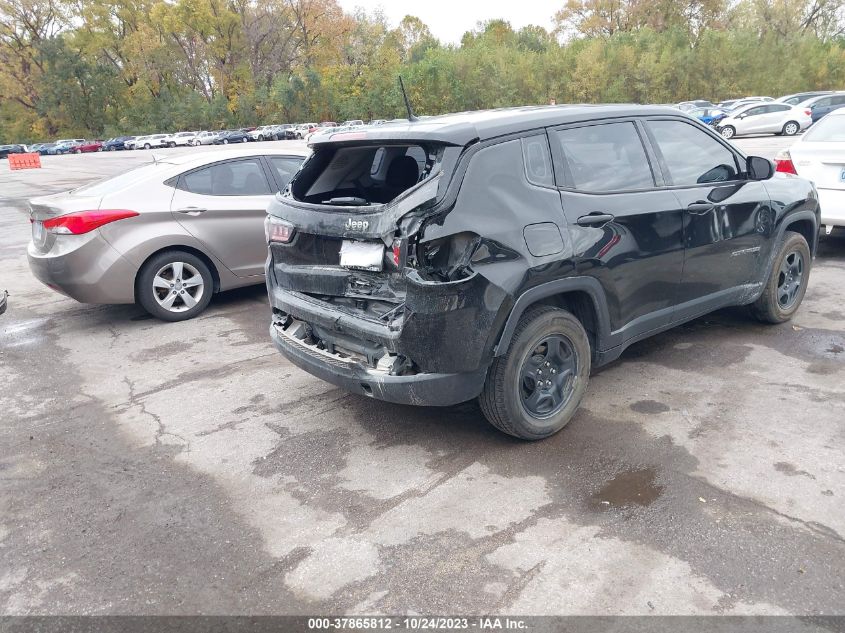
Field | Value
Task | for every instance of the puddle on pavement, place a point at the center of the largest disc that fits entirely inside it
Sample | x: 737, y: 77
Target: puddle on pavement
x: 632, y: 487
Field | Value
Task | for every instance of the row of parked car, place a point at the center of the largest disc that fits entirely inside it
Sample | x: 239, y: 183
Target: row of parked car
x: 787, y: 115
x: 279, y: 132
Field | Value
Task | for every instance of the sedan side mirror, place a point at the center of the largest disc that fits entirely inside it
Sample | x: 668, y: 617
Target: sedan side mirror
x: 759, y: 168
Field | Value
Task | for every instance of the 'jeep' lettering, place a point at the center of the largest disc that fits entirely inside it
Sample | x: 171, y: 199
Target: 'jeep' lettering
x: 356, y: 225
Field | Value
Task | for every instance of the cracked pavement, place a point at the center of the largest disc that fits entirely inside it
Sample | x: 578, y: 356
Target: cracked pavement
x: 153, y: 468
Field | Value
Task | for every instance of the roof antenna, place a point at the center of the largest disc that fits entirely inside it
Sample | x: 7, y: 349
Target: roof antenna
x: 411, y: 116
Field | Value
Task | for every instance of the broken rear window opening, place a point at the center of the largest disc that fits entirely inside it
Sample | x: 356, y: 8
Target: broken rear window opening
x: 364, y: 175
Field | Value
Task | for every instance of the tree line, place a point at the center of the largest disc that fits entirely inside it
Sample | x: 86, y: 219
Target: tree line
x: 106, y: 67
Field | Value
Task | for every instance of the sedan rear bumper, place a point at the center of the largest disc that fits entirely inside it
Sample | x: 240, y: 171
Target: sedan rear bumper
x: 832, y: 204
x: 85, y: 268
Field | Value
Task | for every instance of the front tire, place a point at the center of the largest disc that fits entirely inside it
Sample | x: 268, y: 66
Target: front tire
x: 535, y: 388
x: 787, y: 281
x: 174, y: 286
x: 728, y: 132
x: 791, y: 128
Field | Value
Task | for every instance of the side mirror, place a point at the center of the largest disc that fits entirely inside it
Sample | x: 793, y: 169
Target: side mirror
x: 759, y: 168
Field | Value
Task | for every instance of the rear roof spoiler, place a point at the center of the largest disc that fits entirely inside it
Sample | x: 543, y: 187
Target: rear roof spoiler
x: 460, y: 134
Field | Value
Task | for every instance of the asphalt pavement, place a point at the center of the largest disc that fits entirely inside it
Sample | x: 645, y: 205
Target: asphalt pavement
x: 184, y: 468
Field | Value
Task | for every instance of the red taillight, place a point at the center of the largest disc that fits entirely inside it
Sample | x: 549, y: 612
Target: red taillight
x: 85, y: 221
x: 783, y: 163
x: 276, y: 230
x: 397, y: 252
x: 808, y: 112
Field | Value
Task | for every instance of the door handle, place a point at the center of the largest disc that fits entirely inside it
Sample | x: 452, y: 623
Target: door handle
x: 594, y: 218
x: 191, y: 210
x: 700, y: 207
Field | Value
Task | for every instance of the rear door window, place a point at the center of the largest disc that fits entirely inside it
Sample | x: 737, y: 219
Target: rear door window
x: 692, y: 156
x: 603, y: 157
x: 243, y: 177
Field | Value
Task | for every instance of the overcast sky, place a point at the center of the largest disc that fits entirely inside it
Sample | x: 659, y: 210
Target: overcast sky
x: 449, y: 19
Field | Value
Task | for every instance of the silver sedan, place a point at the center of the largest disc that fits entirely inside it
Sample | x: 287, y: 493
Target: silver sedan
x: 166, y: 235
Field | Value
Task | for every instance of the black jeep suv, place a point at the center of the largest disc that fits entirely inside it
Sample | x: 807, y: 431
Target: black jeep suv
x: 503, y: 254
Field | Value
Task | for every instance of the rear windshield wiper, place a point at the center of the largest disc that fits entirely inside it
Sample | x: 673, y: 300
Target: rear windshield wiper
x: 347, y: 201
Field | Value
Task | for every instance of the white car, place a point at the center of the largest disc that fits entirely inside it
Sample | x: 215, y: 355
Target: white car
x: 765, y: 118
x: 153, y: 141
x: 819, y: 156
x: 135, y: 143
x: 180, y: 139
x: 301, y: 130
x: 262, y: 133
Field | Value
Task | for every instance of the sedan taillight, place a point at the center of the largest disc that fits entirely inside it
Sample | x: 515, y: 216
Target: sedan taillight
x: 81, y: 222
x: 783, y: 163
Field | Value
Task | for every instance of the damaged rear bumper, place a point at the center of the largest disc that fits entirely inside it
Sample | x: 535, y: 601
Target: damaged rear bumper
x: 425, y: 389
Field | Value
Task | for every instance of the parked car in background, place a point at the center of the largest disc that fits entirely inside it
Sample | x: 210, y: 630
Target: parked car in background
x: 5, y: 150
x: 322, y: 130
x: 65, y: 146
x: 377, y: 122
x: 352, y: 123
x: 155, y: 141
x: 44, y: 148
x: 86, y: 147
x: 302, y: 129
x: 117, y: 143
x: 180, y: 139
x: 686, y: 106
x: 801, y: 97
x: 167, y: 234
x: 231, y: 136
x: 708, y: 116
x: 135, y: 142
x: 733, y: 104
x: 205, y: 138
x: 432, y: 281
x: 765, y: 118
x: 820, y: 106
x: 261, y: 133
x: 819, y: 155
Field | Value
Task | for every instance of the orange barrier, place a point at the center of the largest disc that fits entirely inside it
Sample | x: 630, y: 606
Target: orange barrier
x: 24, y: 161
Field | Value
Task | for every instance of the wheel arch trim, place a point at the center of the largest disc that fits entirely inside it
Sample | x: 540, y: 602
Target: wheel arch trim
x: 805, y: 215
x: 588, y: 285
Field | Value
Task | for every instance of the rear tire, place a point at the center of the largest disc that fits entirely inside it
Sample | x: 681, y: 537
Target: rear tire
x: 791, y: 128
x: 535, y: 388
x: 787, y: 281
x: 159, y: 289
